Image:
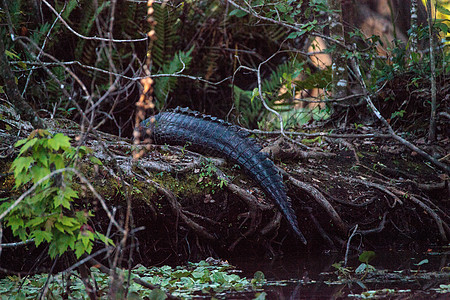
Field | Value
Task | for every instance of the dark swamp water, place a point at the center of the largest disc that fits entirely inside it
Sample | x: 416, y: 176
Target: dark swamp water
x: 390, y: 275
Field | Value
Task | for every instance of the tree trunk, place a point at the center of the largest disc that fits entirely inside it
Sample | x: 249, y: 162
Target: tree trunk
x: 432, y: 130
x: 339, y: 62
x: 12, y: 91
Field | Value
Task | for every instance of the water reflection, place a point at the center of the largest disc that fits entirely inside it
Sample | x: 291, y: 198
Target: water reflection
x: 397, y: 274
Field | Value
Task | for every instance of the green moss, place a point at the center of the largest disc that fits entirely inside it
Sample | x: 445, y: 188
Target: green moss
x: 183, y: 185
x: 6, y: 182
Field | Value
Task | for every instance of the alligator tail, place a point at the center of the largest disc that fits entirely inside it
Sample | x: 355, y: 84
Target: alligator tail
x: 213, y: 136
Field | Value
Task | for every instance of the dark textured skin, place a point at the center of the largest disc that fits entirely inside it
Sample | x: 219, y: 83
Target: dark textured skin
x: 212, y: 136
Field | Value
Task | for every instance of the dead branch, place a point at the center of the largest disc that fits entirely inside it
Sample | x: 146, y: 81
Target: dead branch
x: 348, y: 244
x: 324, y: 134
x: 255, y: 219
x: 202, y: 217
x: 90, y: 37
x: 343, y: 202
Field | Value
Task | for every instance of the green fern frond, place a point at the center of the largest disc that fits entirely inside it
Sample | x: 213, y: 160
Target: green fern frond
x: 166, y: 34
x: 67, y: 7
x: 250, y: 109
x: 279, y: 77
x: 319, y: 80
x: 90, y: 13
x: 274, y: 33
x: 164, y: 85
x: 131, y: 19
x: 14, y: 12
x: 38, y: 35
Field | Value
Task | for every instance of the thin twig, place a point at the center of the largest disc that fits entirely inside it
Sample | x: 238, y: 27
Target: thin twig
x: 295, y: 27
x: 16, y: 244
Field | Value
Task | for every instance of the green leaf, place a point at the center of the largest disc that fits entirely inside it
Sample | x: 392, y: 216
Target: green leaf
x: 52, y: 250
x: 41, y: 156
x: 61, y: 242
x: 442, y: 9
x: 62, y: 247
x: 60, y: 227
x: 15, y: 222
x: 295, y: 34
x: 95, y: 160
x: 35, y: 221
x: 20, y: 142
x: 258, y: 277
x: 39, y: 236
x: 238, y: 13
x: 20, y: 164
x: 70, y: 194
x: 67, y: 221
x: 39, y: 172
x: 12, y: 55
x: 260, y: 296
x: 27, y: 145
x: 157, y: 294
x: 442, y: 27
x: 104, y: 238
x: 59, y: 141
x: 366, y: 256
x: 361, y: 268
x: 79, y: 249
x: 422, y: 262
x: 282, y: 7
x: 58, y: 160
x: 86, y: 237
x: 22, y: 233
x: 61, y: 200
x: 255, y: 93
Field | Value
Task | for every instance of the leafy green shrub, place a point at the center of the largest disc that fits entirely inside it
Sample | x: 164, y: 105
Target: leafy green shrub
x: 47, y: 212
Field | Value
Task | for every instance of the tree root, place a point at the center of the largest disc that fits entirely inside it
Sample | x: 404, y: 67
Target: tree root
x: 274, y: 224
x: 377, y: 229
x: 318, y: 196
x: 441, y: 225
x: 178, y: 211
x: 320, y: 229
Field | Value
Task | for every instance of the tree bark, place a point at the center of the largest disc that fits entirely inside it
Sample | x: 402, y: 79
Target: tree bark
x: 432, y: 130
x: 339, y: 62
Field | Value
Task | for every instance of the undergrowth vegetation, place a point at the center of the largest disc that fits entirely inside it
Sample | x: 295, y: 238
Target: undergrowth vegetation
x: 46, y: 211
